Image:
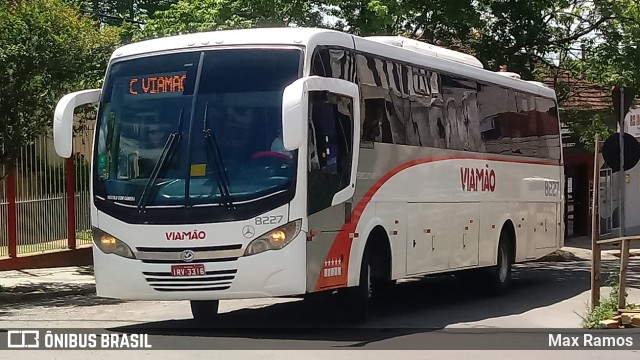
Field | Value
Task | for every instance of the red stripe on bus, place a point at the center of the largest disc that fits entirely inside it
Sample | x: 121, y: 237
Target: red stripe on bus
x: 334, y: 272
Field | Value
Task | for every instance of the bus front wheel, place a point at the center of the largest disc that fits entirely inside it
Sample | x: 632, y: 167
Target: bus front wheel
x: 204, y: 310
x: 358, y: 297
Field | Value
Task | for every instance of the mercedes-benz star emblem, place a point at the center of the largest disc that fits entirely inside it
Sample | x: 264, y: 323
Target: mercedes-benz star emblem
x: 248, y: 231
x: 187, y: 256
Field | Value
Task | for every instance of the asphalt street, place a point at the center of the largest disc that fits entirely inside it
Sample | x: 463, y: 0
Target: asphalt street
x: 419, y: 314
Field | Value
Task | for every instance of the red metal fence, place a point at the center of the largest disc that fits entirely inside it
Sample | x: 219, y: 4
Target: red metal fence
x: 44, y: 200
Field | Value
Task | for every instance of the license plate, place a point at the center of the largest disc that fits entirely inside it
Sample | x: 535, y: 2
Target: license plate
x: 188, y: 270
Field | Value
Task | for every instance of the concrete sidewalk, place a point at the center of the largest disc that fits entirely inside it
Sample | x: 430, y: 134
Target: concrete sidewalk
x: 23, y: 285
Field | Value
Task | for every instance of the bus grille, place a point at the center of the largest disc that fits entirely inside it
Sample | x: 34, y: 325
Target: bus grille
x: 202, y: 254
x: 212, y: 281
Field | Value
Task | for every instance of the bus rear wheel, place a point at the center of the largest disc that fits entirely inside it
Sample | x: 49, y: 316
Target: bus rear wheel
x: 500, y: 275
x: 205, y: 310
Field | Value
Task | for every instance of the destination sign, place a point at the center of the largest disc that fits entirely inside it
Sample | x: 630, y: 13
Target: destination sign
x: 157, y: 84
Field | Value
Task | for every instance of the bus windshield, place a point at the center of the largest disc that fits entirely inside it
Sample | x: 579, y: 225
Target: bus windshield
x: 194, y: 129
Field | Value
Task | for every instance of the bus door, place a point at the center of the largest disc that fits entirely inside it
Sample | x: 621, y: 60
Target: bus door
x: 331, y: 110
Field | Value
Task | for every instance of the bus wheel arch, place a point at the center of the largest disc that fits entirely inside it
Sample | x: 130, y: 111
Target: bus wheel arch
x: 379, y: 253
x: 374, y: 274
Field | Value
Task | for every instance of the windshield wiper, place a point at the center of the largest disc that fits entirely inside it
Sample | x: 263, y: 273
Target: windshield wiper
x: 221, y: 173
x: 167, y: 153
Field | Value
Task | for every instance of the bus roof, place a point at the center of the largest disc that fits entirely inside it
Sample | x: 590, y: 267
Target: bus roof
x: 311, y: 37
x: 256, y: 36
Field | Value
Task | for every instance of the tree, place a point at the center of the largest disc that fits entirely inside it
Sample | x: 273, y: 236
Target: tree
x: 519, y: 33
x: 46, y: 50
x: 430, y: 20
x: 117, y: 12
x: 208, y: 15
x: 128, y: 15
x: 585, y: 124
x: 613, y: 56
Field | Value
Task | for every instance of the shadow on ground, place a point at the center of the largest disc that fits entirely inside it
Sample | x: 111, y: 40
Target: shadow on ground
x: 85, y: 270
x: 418, y: 306
x: 37, y: 296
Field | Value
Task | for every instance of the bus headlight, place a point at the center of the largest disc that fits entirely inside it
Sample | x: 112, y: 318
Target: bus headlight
x: 274, y: 239
x: 109, y: 244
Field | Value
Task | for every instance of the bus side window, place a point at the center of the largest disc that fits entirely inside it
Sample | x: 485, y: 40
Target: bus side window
x: 330, y: 148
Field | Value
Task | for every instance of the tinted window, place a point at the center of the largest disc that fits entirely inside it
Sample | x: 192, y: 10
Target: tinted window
x: 515, y: 123
x: 335, y: 63
x: 384, y: 87
x: 409, y: 105
x: 462, y: 118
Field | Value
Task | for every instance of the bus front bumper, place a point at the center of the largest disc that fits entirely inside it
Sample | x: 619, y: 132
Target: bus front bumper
x: 269, y: 274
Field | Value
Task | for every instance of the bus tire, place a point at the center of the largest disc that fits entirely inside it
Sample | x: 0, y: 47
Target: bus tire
x: 205, y: 310
x: 500, y: 274
x: 358, y: 297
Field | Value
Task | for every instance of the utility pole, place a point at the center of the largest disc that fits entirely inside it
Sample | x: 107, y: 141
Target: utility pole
x: 595, y: 219
x: 622, y: 177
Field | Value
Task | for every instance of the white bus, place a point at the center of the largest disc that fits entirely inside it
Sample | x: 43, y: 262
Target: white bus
x: 279, y: 162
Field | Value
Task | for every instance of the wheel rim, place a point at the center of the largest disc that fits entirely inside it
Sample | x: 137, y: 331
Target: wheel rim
x: 504, y: 265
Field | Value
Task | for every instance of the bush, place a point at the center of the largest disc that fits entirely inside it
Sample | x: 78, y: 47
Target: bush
x: 608, y: 307
x: 84, y: 235
x: 48, y: 49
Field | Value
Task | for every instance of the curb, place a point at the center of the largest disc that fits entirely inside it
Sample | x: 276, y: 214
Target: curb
x: 9, y: 297
x: 564, y: 255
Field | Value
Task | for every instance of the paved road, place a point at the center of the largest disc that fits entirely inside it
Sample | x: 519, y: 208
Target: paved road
x: 420, y: 315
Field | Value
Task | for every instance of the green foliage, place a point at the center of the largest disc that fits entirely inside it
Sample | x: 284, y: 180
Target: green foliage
x: 119, y: 12
x: 46, y: 50
x: 599, y: 313
x: 521, y: 34
x: 201, y: 15
x: 608, y: 307
x: 585, y: 124
x: 84, y: 235
x: 208, y: 15
x: 615, y: 57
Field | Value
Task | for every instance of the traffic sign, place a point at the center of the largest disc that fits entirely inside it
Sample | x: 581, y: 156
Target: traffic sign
x: 611, y: 152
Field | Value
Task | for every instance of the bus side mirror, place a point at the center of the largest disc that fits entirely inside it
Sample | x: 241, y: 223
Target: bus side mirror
x: 63, y: 118
x: 294, y: 115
